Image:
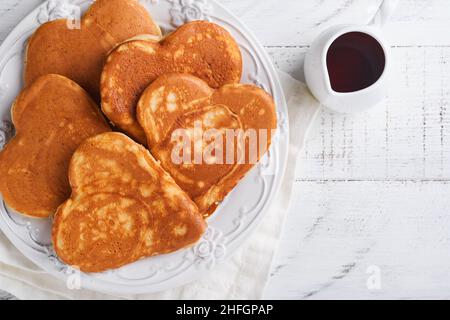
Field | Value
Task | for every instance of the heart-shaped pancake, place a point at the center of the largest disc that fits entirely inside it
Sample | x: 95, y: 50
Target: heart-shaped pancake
x: 123, y: 207
x: 79, y: 54
x: 52, y: 117
x: 201, y: 48
x: 186, y: 122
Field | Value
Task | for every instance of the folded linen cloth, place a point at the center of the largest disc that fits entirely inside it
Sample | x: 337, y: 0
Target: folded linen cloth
x: 235, y: 278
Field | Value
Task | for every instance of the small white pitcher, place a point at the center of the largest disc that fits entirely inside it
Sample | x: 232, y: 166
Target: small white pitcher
x: 316, y: 70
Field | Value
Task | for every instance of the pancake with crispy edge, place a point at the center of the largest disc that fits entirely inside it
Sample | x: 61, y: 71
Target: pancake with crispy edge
x: 123, y: 207
x: 79, y: 54
x: 201, y: 48
x: 182, y: 101
x: 52, y: 117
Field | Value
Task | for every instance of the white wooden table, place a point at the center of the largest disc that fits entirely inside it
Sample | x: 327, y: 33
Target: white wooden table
x: 372, y: 194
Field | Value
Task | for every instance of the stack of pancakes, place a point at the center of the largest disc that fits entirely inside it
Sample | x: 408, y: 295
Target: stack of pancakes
x: 116, y: 197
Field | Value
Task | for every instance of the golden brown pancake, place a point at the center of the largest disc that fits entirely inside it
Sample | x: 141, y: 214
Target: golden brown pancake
x: 52, y: 117
x: 123, y: 207
x: 79, y: 54
x: 182, y: 101
x: 201, y: 48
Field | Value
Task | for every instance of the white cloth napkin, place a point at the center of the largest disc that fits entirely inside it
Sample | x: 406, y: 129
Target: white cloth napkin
x: 243, y: 276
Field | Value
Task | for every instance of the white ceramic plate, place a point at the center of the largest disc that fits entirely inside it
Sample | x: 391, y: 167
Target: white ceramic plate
x: 236, y: 217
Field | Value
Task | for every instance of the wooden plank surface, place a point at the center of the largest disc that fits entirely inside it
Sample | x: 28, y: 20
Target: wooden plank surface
x: 371, y: 192
x: 337, y: 232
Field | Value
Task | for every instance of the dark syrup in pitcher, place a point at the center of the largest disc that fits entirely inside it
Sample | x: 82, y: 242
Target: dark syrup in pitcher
x: 355, y: 61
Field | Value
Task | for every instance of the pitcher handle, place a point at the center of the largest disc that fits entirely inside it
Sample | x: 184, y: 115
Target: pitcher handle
x: 384, y: 13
